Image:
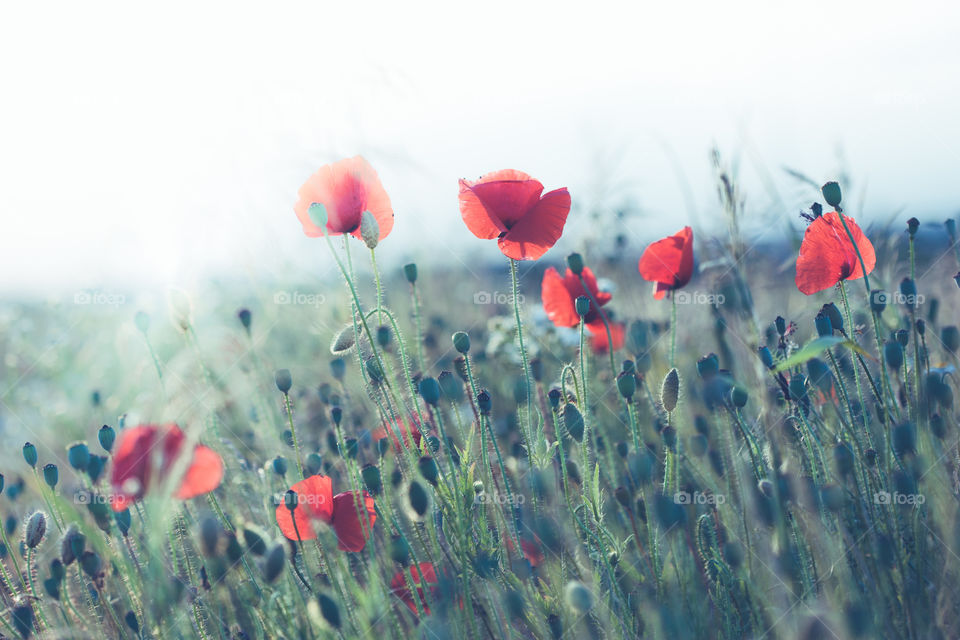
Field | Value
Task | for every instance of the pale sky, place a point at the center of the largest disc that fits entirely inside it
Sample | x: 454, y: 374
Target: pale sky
x: 161, y: 145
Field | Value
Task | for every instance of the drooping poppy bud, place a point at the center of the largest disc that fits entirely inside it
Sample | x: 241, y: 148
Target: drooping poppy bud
x: 343, y: 341
x: 670, y: 390
x: 36, y: 529
x: 369, y: 230
x: 384, y: 336
x: 573, y: 421
x: 72, y: 545
x: 371, y: 479
x: 904, y: 438
x: 451, y: 388
x: 123, y: 520
x: 374, y: 370
x: 329, y: 610
x: 832, y: 312
x: 950, y: 336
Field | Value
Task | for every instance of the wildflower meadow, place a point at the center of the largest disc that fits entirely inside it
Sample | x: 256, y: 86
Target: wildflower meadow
x: 690, y: 437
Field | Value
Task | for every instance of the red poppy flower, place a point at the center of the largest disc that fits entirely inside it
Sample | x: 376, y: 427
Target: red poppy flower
x: 409, y: 433
x: 598, y: 336
x: 531, y: 550
x: 827, y: 256
x: 342, y: 512
x: 400, y: 588
x: 560, y: 295
x: 346, y: 188
x: 668, y: 262
x: 147, y: 452
x: 508, y: 205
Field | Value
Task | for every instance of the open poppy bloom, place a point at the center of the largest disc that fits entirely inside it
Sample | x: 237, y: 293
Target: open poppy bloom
x: 346, y: 188
x: 149, y: 452
x: 411, y: 435
x: 559, y: 301
x: 315, y: 501
x: 531, y: 550
x: 827, y: 256
x: 400, y: 588
x: 668, y: 262
x: 508, y: 205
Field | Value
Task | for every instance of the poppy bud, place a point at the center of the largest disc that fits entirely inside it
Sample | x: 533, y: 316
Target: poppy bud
x: 575, y: 262
x: 72, y: 545
x: 343, y: 341
x: 30, y: 454
x: 399, y: 549
x: 410, y: 271
x: 573, y: 421
x: 430, y: 391
x: 23, y: 620
x: 36, y: 529
x: 843, y: 458
x: 628, y: 366
x: 484, y: 402
x: 908, y: 289
x: 669, y: 435
x: 338, y: 368
x: 461, y: 342
x: 318, y: 215
x: 536, y: 369
x: 950, y: 337
x: 831, y: 193
x: 106, y: 436
x: 78, y: 455
x: 142, y: 321
x: 131, y: 620
x: 428, y: 469
x: 254, y: 541
x: 781, y: 325
x: 578, y: 597
x: 626, y: 384
x: 284, y: 380
x: 816, y: 209
x: 123, y: 520
x: 51, y: 475
x: 419, y: 500
x: 280, y: 466
x: 912, y: 225
x: 383, y: 336
x: 313, y: 464
x: 374, y: 370
x: 824, y: 326
x: 95, y: 467
x: 739, y: 396
x: 369, y: 230
x: 670, y: 390
x: 904, y: 438
x: 832, y: 312
x: 371, y: 479
x: 582, y: 305
x: 554, y: 397
x: 766, y: 357
x: 708, y: 365
x: 209, y: 535
x: 878, y: 301
x: 351, y: 447
x: 273, y: 567
x: 246, y: 318
x: 903, y: 337
x: 329, y: 609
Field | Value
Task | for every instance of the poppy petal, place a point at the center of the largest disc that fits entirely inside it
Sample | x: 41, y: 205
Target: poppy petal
x: 204, y: 474
x: 352, y: 534
x: 131, y: 468
x: 557, y: 301
x: 669, y: 261
x: 827, y: 256
x: 400, y: 588
x: 598, y: 336
x: 346, y: 188
x: 538, y: 230
x: 314, y: 502
x: 494, y: 203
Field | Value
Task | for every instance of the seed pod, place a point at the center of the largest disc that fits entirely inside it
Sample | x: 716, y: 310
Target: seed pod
x: 626, y: 384
x: 831, y: 193
x: 384, y: 336
x: 430, y: 391
x: 131, y: 620
x: 670, y: 390
x: 36, y: 529
x: 273, y: 566
x: 708, y: 365
x: 371, y: 479
x: 781, y: 325
x: 575, y: 262
x: 484, y: 402
x: 893, y: 353
x: 461, y: 342
x: 878, y: 301
x: 912, y: 225
x: 313, y: 464
x: 51, y: 475
x: 582, y: 306
x: 280, y: 466
x: 908, y: 289
x: 410, y: 271
x: 904, y: 438
x: 106, y: 436
x: 573, y: 421
x: 824, y: 326
x: 30, y: 454
x: 284, y: 380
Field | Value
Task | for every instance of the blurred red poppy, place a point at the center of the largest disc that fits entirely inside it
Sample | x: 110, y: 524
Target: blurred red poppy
x: 508, y: 205
x: 407, y: 431
x: 150, y: 452
x: 668, y: 262
x: 560, y: 295
x: 400, y: 588
x: 346, y: 188
x: 598, y: 336
x: 827, y: 256
x: 531, y: 550
x: 342, y: 512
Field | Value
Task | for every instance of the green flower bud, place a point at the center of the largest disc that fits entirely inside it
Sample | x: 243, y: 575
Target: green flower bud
x: 106, y: 436
x: 831, y: 193
x: 36, y: 529
x: 410, y: 271
x: 371, y: 479
x: 30, y: 454
x: 78, y: 455
x: 51, y: 475
x: 318, y: 215
x: 343, y: 341
x: 575, y: 262
x: 369, y: 230
x: 670, y: 390
x: 626, y: 384
x: 430, y: 391
x: 582, y: 305
x: 573, y: 421
x: 284, y: 380
x: 329, y: 610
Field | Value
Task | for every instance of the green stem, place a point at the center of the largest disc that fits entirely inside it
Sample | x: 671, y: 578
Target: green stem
x: 293, y: 433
